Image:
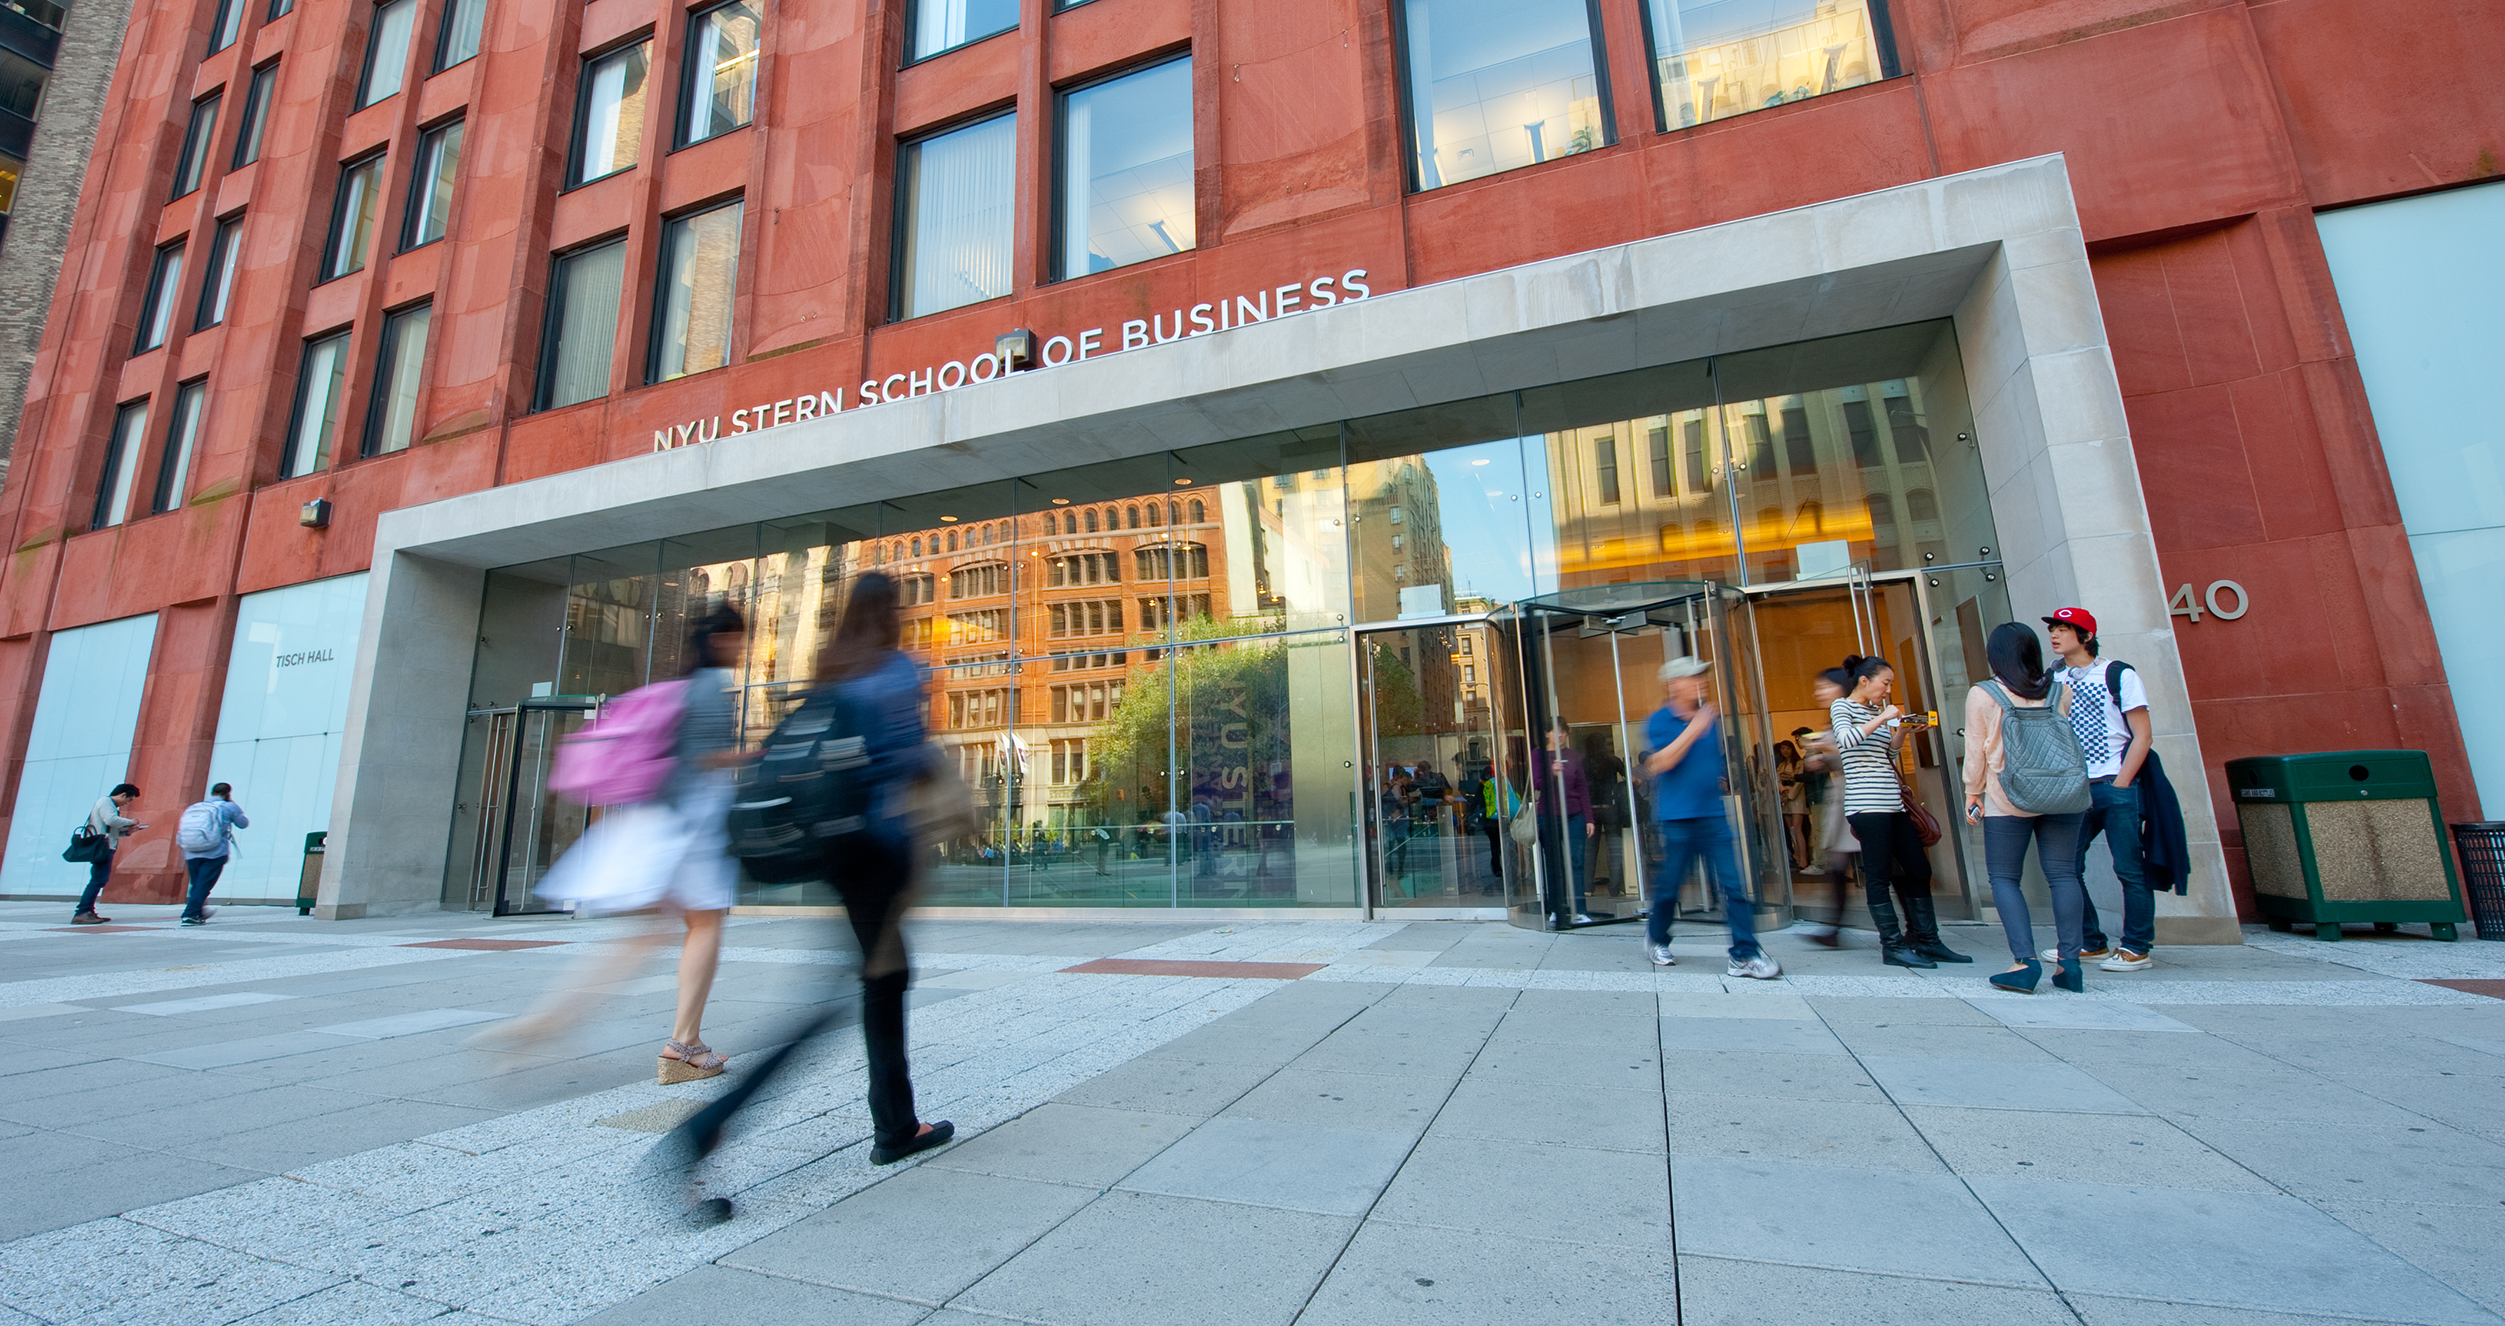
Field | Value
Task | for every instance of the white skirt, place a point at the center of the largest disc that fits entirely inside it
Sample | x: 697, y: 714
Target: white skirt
x: 640, y: 856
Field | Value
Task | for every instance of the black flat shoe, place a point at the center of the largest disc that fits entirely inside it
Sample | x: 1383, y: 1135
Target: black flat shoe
x: 1899, y: 956
x: 939, y: 1135
x: 1939, y: 952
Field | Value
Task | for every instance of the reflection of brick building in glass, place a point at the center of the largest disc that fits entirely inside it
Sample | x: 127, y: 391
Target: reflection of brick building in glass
x: 1019, y: 690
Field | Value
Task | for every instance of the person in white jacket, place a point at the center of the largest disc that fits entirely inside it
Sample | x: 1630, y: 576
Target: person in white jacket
x: 106, y: 819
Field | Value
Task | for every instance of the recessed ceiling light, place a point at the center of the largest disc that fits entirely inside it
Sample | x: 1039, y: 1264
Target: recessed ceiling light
x: 1480, y: 461
x: 948, y: 520
x: 1061, y: 501
x: 1182, y: 483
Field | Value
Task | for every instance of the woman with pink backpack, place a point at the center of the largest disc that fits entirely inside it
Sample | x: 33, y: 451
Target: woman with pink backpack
x: 659, y: 761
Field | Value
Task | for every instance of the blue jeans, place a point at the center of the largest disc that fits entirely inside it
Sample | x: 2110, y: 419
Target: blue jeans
x: 1682, y: 842
x: 2005, y: 857
x: 2116, y: 813
x: 204, y: 871
x: 98, y: 871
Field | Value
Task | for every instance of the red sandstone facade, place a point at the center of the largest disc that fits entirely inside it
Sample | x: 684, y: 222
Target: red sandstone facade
x: 2201, y: 137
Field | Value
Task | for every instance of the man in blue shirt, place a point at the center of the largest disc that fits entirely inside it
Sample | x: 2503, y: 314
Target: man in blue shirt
x: 1683, y: 753
x: 207, y: 836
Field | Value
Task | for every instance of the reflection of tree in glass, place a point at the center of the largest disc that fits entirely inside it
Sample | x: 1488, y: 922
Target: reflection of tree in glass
x: 1229, y: 722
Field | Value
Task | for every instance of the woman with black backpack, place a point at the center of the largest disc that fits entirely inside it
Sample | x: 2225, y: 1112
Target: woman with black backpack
x: 2023, y: 774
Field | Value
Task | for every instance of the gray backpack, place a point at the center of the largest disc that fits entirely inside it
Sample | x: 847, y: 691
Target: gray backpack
x: 2042, y: 769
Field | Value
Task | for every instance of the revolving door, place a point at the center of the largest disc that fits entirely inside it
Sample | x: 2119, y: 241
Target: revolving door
x: 1589, y: 662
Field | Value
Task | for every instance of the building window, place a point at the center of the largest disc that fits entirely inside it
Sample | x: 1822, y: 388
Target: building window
x: 955, y: 205
x: 1713, y: 60
x: 218, y: 281
x: 457, y: 39
x: 194, y: 162
x: 352, y: 216
x: 691, y: 327
x: 280, y: 9
x: 392, y: 416
x: 430, y: 189
x: 1494, y: 87
x: 121, y: 461
x: 720, y: 81
x: 944, y: 25
x: 916, y: 590
x: 582, y: 327
x: 229, y: 24
x: 256, y: 115
x: 174, y: 470
x: 1657, y: 451
x: 1800, y: 450
x: 316, y: 419
x: 1126, y: 170
x: 10, y: 168
x: 1692, y: 438
x: 1864, y: 434
x: 1605, y: 468
x: 387, y: 55
x: 156, y: 315
x: 1179, y: 561
x: 1913, y: 441
x: 978, y: 581
x: 609, y: 126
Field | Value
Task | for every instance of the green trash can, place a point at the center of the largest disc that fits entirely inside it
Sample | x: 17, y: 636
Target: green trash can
x: 2349, y: 836
x: 309, y: 879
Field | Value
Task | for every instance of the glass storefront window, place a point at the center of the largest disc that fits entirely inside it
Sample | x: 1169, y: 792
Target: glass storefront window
x: 944, y: 25
x: 609, y: 128
x: 699, y: 277
x: 1717, y: 58
x: 1498, y: 84
x: 582, y: 329
x: 1126, y: 169
x: 955, y: 204
x: 720, y: 81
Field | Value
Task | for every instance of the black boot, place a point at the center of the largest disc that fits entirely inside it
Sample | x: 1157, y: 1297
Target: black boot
x: 1892, y: 947
x: 1923, y: 932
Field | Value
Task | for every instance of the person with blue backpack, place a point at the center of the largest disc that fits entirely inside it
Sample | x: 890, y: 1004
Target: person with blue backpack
x: 206, y: 835
x: 2027, y: 782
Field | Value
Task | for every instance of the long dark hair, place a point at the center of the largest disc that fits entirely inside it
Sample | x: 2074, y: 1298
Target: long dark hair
x: 867, y: 630
x: 724, y: 620
x: 2017, y: 656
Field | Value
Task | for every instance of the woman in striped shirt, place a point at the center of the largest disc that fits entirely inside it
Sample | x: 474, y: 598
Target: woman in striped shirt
x: 1868, y: 731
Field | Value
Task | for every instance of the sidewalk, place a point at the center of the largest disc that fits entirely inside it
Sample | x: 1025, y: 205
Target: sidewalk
x: 278, y: 1120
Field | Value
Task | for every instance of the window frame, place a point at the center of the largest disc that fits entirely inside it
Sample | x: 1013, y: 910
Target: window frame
x: 422, y: 187
x: 436, y: 63
x: 375, y: 160
x: 365, y: 98
x: 1056, y: 236
x: 279, y: 9
x: 913, y: 19
x: 119, y: 477
x: 255, y: 124
x: 898, y: 218
x: 156, y: 307
x: 172, y: 481
x: 687, y: 84
x: 1882, y: 37
x: 218, y: 276
x: 667, y: 250
x: 386, y: 361
x: 226, y: 27
x: 549, y: 345
x: 191, y: 168
x: 295, y: 415
x: 1406, y: 125
x: 574, y: 157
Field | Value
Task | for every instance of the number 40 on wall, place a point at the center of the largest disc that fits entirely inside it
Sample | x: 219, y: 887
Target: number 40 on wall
x: 2184, y: 605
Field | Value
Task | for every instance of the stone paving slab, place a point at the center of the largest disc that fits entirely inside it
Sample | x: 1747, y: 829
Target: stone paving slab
x: 1441, y: 1122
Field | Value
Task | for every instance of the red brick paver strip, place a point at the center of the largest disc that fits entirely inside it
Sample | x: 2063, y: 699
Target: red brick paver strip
x: 492, y: 945
x: 2492, y: 989
x: 1259, y: 971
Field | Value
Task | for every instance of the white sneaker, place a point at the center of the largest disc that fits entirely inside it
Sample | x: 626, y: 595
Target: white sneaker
x: 1661, y: 956
x: 2085, y: 954
x: 1759, y: 968
x: 1582, y: 918
x: 2126, y: 960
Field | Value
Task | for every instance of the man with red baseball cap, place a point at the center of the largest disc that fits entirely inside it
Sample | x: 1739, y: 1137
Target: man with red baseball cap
x: 2109, y: 711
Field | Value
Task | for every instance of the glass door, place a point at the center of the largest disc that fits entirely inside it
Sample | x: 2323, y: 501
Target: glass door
x: 532, y: 826
x: 1432, y: 746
